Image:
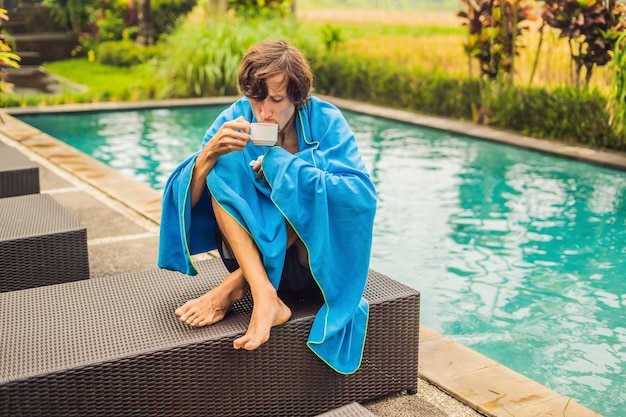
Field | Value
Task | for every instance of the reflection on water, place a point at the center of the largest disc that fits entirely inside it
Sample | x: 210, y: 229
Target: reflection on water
x: 518, y: 255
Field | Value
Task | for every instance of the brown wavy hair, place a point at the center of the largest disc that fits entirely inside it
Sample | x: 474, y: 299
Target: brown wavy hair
x: 267, y: 59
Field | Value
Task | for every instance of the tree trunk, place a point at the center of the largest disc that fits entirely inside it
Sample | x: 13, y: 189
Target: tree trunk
x: 145, y: 28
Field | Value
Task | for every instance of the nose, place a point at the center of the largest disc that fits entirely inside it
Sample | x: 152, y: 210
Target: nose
x: 266, y: 110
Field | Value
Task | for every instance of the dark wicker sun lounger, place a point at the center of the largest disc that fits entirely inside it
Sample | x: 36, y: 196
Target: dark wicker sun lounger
x: 350, y: 410
x: 18, y: 174
x: 112, y: 346
x: 41, y: 243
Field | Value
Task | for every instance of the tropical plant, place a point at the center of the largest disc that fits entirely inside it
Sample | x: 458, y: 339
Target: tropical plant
x: 260, y: 8
x: 332, y: 36
x: 71, y: 14
x: 97, y: 21
x: 111, y: 24
x: 7, y: 58
x: 202, y: 58
x: 617, y: 93
x: 494, y: 29
x: 592, y: 28
x: 124, y: 53
x: 537, y: 52
x: 166, y: 14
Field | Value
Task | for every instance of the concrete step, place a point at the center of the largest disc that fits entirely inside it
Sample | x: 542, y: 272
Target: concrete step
x: 29, y: 58
x: 53, y: 46
x: 36, y: 17
x: 10, y: 5
x: 15, y: 27
x: 31, y: 79
x: 24, y: 71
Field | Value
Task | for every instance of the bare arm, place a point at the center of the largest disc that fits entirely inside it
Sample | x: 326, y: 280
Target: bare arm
x: 232, y: 136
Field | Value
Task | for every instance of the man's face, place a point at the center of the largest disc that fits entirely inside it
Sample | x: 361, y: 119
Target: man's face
x: 277, y: 107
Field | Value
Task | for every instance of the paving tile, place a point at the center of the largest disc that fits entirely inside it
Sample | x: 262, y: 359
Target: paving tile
x: 558, y: 407
x: 119, y: 257
x: 427, y: 334
x: 99, y: 219
x: 442, y: 358
x: 487, y: 386
x: 51, y: 181
x: 499, y: 390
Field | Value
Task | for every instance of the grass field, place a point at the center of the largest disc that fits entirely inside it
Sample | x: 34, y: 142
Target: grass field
x: 433, y: 41
x: 375, y: 17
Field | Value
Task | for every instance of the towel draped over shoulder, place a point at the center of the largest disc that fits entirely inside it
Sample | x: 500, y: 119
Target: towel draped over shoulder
x: 323, y: 191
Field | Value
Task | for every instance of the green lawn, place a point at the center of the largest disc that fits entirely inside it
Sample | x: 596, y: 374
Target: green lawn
x: 104, y: 81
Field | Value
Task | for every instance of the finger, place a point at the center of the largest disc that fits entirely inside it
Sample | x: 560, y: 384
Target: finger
x: 240, y: 124
x: 237, y: 134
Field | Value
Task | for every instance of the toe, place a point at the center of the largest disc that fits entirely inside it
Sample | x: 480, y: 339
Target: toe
x: 239, y: 343
x: 251, y: 345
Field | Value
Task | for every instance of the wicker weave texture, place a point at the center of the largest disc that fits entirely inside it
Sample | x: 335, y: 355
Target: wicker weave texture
x: 349, y: 410
x: 112, y: 346
x: 18, y: 174
x: 41, y: 243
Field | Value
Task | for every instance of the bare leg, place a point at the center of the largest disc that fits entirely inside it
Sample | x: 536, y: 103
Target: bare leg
x: 213, y: 306
x: 268, y: 310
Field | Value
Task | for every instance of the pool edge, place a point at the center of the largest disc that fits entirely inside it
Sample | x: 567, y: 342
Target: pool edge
x: 607, y: 158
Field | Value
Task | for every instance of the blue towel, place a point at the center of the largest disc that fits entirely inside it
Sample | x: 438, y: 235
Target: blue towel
x: 324, y: 192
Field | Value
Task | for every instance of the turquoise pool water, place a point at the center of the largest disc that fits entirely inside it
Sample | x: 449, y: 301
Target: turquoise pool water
x: 518, y: 255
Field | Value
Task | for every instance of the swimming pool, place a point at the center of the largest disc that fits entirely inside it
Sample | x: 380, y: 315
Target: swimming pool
x: 518, y: 255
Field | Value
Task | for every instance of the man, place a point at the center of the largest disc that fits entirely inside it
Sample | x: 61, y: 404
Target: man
x: 301, y: 217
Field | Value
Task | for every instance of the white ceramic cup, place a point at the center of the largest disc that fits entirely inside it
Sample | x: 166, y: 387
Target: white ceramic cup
x: 264, y: 134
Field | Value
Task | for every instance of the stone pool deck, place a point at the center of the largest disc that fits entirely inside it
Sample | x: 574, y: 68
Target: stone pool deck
x: 122, y: 218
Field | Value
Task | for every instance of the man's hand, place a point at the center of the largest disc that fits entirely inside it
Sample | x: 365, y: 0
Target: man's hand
x: 256, y: 167
x: 232, y: 136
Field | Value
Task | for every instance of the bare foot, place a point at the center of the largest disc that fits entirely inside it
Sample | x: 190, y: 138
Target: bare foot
x: 267, y: 312
x: 213, y: 306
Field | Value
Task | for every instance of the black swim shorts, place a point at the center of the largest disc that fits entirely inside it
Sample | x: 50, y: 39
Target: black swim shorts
x: 295, y: 276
